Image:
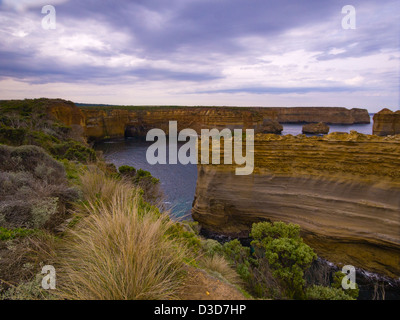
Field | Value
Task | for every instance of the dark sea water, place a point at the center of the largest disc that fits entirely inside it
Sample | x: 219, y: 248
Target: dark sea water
x: 178, y: 181
x: 295, y: 129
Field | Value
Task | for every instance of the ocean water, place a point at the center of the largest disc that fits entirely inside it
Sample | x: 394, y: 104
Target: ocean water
x: 178, y: 181
x: 295, y: 129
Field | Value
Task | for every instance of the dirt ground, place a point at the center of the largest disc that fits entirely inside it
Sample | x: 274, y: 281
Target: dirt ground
x: 199, y: 285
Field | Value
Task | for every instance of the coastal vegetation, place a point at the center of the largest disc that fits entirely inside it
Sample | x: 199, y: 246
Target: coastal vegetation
x: 107, y: 237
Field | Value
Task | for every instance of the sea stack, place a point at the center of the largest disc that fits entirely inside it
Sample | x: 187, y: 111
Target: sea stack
x: 386, y: 122
x: 316, y: 128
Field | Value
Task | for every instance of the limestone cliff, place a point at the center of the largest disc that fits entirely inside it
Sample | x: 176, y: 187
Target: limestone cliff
x: 329, y: 115
x: 66, y: 112
x: 117, y: 123
x: 113, y: 122
x: 342, y: 189
x: 386, y: 122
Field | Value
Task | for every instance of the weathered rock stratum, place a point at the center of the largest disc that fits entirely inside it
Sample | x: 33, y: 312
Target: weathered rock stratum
x: 329, y: 115
x: 342, y: 189
x: 386, y: 122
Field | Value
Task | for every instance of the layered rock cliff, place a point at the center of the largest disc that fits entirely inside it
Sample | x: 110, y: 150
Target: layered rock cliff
x: 113, y: 122
x: 329, y: 115
x: 119, y: 123
x: 386, y: 122
x: 342, y: 189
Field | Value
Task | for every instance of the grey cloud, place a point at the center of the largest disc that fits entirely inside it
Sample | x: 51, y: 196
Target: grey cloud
x: 197, y: 31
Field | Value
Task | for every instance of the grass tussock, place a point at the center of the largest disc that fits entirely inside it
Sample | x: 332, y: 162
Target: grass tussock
x: 120, y: 251
x: 218, y: 266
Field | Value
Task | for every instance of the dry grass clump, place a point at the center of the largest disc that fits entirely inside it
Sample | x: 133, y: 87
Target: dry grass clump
x: 218, y: 266
x: 95, y: 186
x: 120, y: 250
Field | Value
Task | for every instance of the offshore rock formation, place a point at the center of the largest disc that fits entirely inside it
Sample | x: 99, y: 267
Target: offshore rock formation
x: 342, y: 189
x: 386, y: 122
x: 316, y: 128
x: 271, y: 126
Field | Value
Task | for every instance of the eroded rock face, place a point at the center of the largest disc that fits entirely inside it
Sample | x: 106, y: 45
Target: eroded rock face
x: 342, y: 189
x: 386, y: 122
x: 66, y: 112
x: 316, y: 128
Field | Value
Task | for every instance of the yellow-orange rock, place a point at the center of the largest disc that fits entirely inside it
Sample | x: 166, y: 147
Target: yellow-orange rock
x: 329, y: 115
x: 342, y: 189
x: 386, y: 122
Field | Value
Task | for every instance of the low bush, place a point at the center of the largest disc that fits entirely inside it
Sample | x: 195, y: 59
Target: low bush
x: 30, y: 290
x: 73, y: 150
x: 337, y: 284
x: 254, y: 271
x: 11, y: 234
x: 33, y: 188
x: 325, y: 293
x: 127, y: 171
x: 287, y: 255
x: 145, y: 181
x: 190, y: 239
x: 12, y: 136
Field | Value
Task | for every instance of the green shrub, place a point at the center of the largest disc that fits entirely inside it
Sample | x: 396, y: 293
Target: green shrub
x: 254, y: 271
x: 240, y: 257
x: 326, y: 293
x: 127, y: 171
x: 265, y: 232
x: 211, y: 247
x: 178, y: 231
x: 73, y: 169
x: 12, y: 136
x: 337, y: 283
x: 11, y: 234
x: 286, y: 253
x: 144, y: 175
x: 73, y: 150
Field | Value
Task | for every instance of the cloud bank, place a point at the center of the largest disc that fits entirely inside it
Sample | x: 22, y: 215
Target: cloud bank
x: 196, y: 52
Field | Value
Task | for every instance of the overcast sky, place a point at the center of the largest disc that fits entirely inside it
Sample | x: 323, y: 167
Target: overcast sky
x: 202, y: 52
